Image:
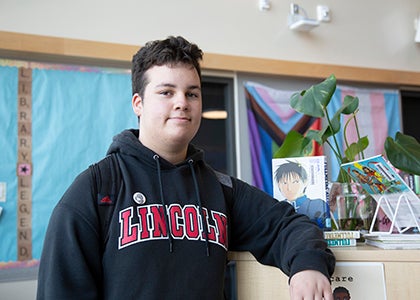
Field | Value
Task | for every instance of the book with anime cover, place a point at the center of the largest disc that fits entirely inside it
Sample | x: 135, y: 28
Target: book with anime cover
x: 303, y: 182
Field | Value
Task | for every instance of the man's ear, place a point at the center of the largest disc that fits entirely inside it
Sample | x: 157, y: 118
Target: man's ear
x: 137, y: 104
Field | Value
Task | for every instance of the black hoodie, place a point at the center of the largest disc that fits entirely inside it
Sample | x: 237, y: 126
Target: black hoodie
x: 170, y: 232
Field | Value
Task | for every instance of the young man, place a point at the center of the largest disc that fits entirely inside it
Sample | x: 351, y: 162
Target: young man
x: 173, y: 224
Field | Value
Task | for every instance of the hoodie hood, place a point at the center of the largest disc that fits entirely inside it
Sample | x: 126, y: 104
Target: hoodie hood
x: 127, y: 142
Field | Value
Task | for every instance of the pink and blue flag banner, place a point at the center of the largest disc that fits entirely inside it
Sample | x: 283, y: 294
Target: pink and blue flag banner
x: 379, y: 116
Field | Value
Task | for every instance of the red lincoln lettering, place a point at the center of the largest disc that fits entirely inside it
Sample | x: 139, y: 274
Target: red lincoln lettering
x: 191, y: 222
x: 221, y: 224
x: 175, y: 214
x: 159, y: 226
x: 129, y: 232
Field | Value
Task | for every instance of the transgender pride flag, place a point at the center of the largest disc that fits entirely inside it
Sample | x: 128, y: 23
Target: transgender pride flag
x: 379, y: 116
x: 270, y: 118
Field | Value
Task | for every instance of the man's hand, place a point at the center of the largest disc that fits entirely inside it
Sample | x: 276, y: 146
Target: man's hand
x: 310, y: 285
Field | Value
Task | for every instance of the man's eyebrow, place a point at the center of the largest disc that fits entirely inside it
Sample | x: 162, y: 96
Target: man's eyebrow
x: 194, y: 87
x: 165, y: 85
x: 171, y: 85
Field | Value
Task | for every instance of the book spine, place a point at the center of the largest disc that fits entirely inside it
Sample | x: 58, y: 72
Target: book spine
x: 328, y: 224
x: 341, y: 242
x: 417, y: 184
x: 341, y: 235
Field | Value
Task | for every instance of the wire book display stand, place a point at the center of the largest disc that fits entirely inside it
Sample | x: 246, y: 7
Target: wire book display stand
x: 392, y: 194
x: 402, y: 210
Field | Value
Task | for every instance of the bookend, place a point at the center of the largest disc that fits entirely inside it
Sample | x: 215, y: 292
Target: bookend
x: 403, y: 207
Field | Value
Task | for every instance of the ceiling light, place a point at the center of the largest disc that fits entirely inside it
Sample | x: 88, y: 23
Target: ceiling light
x: 215, y: 114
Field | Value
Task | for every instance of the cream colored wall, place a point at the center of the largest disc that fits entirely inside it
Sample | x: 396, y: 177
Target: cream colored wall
x: 374, y: 33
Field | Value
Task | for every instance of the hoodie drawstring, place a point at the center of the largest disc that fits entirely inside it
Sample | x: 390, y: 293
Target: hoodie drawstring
x: 168, y: 229
x: 197, y: 194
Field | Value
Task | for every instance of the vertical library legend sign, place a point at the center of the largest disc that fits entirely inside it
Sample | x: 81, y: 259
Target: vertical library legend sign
x: 24, y: 165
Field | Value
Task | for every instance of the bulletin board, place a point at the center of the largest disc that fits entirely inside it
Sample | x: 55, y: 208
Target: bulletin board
x: 56, y: 120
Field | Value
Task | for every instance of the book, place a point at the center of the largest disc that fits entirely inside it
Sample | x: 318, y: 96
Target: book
x: 341, y: 242
x: 392, y: 246
x: 342, y: 234
x: 359, y: 280
x: 393, y: 241
x: 303, y: 182
x: 382, y: 181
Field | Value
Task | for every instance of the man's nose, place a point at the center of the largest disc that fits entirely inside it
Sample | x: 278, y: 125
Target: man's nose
x: 181, y: 102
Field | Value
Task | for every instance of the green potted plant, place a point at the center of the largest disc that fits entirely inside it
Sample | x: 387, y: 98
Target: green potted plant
x: 402, y: 151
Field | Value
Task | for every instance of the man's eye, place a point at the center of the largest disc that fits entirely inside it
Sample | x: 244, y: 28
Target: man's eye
x: 165, y: 93
x: 192, y: 95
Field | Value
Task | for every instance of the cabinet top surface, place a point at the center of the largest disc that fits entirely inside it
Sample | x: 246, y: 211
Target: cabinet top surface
x: 357, y: 253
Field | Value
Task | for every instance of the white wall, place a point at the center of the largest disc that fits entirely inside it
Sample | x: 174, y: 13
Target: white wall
x: 374, y: 33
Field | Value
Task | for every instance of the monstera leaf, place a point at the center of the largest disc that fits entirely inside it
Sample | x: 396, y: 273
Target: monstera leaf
x: 404, y: 153
x: 314, y: 101
x: 294, y: 145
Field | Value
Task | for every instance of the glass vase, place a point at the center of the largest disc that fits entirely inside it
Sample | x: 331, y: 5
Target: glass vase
x: 351, y: 207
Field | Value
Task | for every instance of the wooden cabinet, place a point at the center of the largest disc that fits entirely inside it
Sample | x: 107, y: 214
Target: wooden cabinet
x: 401, y: 267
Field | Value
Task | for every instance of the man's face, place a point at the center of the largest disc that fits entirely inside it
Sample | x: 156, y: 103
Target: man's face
x: 341, y: 296
x: 170, y: 111
x: 291, y: 186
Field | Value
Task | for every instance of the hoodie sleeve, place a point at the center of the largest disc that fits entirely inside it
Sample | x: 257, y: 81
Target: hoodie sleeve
x: 70, y: 266
x: 275, y: 234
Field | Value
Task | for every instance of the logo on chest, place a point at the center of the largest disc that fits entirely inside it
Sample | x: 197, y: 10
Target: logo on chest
x: 184, y: 223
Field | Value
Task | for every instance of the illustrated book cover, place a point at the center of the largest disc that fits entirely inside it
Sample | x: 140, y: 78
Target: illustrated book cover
x: 382, y: 181
x: 359, y: 280
x: 302, y: 181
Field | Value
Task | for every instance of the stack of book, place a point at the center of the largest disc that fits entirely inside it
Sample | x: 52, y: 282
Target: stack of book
x: 393, y: 241
x: 341, y: 238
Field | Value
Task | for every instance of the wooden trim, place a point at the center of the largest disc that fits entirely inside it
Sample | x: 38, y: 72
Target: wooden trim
x: 311, y: 70
x: 359, y: 253
x: 54, y: 49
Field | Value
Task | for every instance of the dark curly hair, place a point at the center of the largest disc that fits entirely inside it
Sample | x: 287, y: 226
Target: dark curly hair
x: 171, y: 51
x: 289, y: 168
x: 341, y: 289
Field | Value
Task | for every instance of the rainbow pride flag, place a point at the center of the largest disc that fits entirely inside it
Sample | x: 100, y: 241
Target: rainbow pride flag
x: 270, y: 118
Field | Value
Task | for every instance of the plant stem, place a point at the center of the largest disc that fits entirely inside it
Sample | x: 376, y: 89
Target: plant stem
x: 357, y: 131
x: 337, y: 149
x: 345, y: 131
